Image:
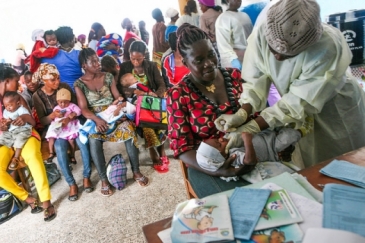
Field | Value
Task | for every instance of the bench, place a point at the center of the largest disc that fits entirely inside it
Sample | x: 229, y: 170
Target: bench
x: 189, y: 190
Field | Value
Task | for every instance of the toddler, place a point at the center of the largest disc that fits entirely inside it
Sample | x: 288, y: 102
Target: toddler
x: 128, y: 82
x: 46, y: 48
x: 16, y: 136
x: 264, y: 146
x: 66, y: 126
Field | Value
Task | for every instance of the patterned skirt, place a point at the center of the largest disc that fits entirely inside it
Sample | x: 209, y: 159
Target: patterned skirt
x: 153, y: 137
x: 156, y: 57
x: 123, y: 131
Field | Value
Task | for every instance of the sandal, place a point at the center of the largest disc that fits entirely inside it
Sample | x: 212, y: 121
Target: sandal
x: 14, y: 164
x: 47, y: 216
x: 165, y: 160
x: 73, y: 160
x: 50, y: 158
x: 88, y: 187
x: 142, y: 181
x: 73, y: 197
x: 34, y: 207
x: 106, y: 189
x: 161, y: 168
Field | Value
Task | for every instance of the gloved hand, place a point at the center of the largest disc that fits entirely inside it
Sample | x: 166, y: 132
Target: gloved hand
x: 235, y: 63
x: 229, y: 123
x: 235, y: 138
x: 307, y: 126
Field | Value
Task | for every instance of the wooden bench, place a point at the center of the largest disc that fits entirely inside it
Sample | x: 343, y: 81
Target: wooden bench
x: 189, y: 189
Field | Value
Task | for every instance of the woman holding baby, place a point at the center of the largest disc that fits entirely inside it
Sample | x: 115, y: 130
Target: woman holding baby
x: 31, y: 154
x: 193, y: 105
x: 45, y: 100
x: 147, y: 74
x: 95, y: 92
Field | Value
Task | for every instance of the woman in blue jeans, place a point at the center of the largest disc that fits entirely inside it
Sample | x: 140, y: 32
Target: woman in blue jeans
x: 95, y: 92
x: 44, y: 100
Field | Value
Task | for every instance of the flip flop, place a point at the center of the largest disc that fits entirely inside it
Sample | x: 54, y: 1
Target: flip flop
x: 48, y: 217
x: 106, y: 188
x: 161, y: 168
x: 165, y: 160
x: 142, y: 181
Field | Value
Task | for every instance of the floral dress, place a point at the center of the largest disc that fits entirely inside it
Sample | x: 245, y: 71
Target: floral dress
x: 99, y: 101
x: 191, y: 114
x: 153, y: 137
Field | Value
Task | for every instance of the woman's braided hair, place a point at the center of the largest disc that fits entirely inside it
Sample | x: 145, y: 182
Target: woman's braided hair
x: 187, y: 35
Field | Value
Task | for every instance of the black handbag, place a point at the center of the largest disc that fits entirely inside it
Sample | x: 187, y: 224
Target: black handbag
x: 53, y: 174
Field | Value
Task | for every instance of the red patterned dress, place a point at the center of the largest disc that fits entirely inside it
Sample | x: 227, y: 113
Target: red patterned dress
x: 191, y: 114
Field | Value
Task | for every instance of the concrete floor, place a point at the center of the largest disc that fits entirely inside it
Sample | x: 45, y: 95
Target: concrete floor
x: 94, y: 218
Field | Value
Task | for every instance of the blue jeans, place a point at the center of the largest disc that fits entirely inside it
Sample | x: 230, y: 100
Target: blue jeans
x: 206, y: 185
x: 97, y: 153
x: 61, y: 147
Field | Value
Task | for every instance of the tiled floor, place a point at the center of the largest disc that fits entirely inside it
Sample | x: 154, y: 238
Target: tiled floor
x: 94, y: 218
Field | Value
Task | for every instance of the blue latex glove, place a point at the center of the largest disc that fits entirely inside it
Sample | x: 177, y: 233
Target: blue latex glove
x: 235, y: 63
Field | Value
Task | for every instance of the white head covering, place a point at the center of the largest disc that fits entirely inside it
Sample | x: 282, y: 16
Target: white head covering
x: 209, y: 158
x: 37, y: 34
x: 293, y: 25
x: 171, y: 12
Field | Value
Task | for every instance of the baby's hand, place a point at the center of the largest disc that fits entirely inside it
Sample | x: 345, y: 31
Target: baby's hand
x: 57, y: 113
x: 139, y: 92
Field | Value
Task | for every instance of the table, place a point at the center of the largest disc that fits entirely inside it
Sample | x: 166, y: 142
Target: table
x: 312, y: 174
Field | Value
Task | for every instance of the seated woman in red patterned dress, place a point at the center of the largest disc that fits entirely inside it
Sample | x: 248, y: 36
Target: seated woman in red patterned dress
x: 193, y: 105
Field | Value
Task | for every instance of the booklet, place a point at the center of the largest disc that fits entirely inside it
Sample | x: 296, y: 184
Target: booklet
x: 331, y: 235
x: 279, y: 210
x: 346, y: 171
x: 344, y: 208
x: 246, y: 206
x: 202, y: 220
x: 288, y: 233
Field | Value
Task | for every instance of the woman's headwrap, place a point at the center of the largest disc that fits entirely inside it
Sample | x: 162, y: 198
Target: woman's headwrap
x: 37, y: 34
x: 81, y: 36
x: 293, y: 25
x: 105, y: 41
x: 45, y: 71
x: 208, y: 3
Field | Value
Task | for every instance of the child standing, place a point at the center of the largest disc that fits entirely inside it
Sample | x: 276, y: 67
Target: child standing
x: 48, y: 48
x: 16, y: 136
x: 66, y: 126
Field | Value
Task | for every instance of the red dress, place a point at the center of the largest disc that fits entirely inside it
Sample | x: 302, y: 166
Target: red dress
x: 191, y: 115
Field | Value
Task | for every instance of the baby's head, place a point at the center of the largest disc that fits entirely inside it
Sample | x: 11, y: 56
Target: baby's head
x: 50, y: 38
x: 211, y: 153
x: 127, y: 80
x: 277, y: 236
x: 205, y: 223
x: 11, y: 101
x: 63, y: 98
x: 110, y: 65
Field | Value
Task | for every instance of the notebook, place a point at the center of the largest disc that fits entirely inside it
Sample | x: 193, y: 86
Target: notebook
x: 346, y: 171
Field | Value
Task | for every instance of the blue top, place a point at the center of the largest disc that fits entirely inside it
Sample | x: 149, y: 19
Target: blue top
x: 67, y: 64
x: 253, y: 10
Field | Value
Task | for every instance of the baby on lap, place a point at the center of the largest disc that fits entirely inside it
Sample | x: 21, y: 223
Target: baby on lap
x: 265, y: 146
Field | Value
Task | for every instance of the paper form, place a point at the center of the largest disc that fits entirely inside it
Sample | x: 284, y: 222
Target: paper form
x: 246, y: 206
x: 344, y: 208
